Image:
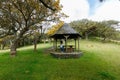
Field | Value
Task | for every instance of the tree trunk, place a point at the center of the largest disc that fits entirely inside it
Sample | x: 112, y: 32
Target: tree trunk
x: 104, y: 39
x: 86, y: 36
x: 35, y: 43
x: 1, y: 47
x: 13, y: 48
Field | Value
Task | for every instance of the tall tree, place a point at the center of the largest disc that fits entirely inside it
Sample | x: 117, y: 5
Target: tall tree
x: 105, y: 29
x: 84, y: 27
x: 17, y: 16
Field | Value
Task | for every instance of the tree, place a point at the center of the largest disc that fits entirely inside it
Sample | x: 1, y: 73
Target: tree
x: 2, y: 43
x: 36, y: 32
x: 17, y: 16
x: 84, y: 27
x: 5, y: 42
x: 54, y: 28
x: 105, y: 29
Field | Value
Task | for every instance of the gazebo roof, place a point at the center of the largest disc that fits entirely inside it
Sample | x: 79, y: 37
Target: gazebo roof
x: 65, y: 30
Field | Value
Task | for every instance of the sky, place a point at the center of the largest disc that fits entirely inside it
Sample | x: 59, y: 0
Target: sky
x: 91, y: 9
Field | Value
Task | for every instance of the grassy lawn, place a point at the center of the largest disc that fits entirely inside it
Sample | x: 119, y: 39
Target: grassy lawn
x: 99, y: 62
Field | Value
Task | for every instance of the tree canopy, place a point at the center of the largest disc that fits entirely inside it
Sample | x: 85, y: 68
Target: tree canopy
x: 54, y: 28
x: 17, y: 16
x: 104, y: 29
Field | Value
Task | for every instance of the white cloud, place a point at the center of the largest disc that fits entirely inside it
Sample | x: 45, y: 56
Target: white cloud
x: 75, y: 9
x: 107, y: 11
x: 79, y: 9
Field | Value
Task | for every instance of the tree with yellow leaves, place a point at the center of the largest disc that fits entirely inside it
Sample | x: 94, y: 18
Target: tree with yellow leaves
x: 54, y: 28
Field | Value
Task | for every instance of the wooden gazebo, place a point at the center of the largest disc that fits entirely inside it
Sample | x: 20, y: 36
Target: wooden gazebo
x: 66, y: 32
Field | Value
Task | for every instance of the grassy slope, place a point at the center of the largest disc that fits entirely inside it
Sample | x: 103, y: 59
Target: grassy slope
x: 99, y: 62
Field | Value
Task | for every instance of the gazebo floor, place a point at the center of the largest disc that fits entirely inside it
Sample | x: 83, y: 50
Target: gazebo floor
x: 65, y: 55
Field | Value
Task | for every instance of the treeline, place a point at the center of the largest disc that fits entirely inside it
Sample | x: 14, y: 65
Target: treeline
x: 32, y: 38
x: 105, y: 30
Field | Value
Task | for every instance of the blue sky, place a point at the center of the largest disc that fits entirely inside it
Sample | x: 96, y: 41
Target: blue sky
x: 92, y: 5
x: 91, y: 9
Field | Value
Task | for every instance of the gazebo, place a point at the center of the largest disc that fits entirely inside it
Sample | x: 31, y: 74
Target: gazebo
x: 66, y: 32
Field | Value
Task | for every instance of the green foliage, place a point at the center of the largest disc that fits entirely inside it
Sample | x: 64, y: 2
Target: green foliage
x: 105, y: 30
x: 88, y: 28
x: 106, y: 76
x: 18, y: 16
x: 85, y: 27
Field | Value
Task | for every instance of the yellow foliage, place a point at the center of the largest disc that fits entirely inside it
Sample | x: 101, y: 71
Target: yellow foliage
x: 56, y: 5
x: 1, y: 40
x: 55, y: 28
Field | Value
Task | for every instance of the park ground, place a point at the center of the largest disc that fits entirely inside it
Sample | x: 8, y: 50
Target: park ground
x: 100, y: 61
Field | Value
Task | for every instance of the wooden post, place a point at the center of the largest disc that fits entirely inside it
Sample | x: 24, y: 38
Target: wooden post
x: 66, y: 42
x: 65, y: 45
x: 78, y: 45
x: 56, y: 44
x: 75, y: 44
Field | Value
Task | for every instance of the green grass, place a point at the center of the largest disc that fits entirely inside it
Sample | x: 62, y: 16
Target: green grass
x: 99, y: 62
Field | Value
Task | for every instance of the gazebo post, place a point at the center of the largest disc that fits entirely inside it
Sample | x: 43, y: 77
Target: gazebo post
x: 66, y: 45
x: 75, y: 44
x: 56, y: 44
x: 66, y: 37
x: 78, y: 45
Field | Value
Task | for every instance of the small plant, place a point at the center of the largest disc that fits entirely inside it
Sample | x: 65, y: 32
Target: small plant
x: 106, y: 76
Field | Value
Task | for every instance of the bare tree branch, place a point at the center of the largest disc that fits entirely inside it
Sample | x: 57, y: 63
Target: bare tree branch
x: 46, y: 5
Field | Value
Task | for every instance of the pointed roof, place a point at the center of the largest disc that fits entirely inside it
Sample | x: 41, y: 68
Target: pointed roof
x: 66, y: 29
